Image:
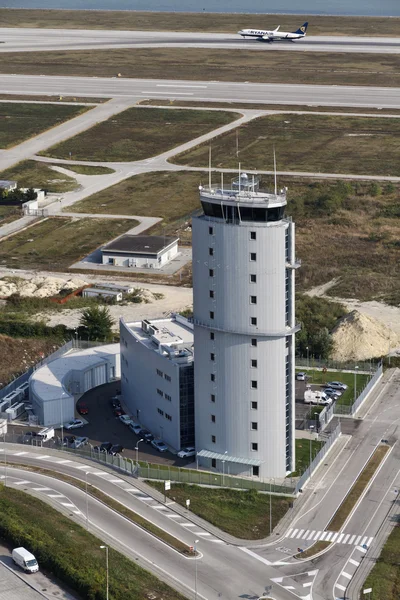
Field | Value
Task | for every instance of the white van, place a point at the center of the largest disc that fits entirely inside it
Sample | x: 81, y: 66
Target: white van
x: 25, y: 560
x: 45, y: 434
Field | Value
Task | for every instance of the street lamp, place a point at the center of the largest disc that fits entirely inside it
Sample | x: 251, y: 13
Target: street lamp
x: 106, y: 549
x: 5, y: 467
x: 311, y: 430
x: 161, y: 429
x: 308, y: 356
x: 137, y: 452
x: 195, y: 567
x: 223, y: 468
x: 87, y: 502
x: 355, y: 382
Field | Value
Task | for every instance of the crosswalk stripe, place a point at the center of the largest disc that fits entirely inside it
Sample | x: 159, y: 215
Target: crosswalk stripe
x: 351, y: 540
x: 369, y: 541
x: 358, y: 540
x: 316, y: 536
x: 288, y: 533
x: 354, y: 562
x: 364, y: 541
x: 341, y: 536
x: 329, y: 535
x: 334, y: 537
x: 346, y: 575
x: 294, y: 533
x: 310, y: 535
x: 298, y: 536
x: 341, y: 587
x: 323, y: 535
x: 346, y: 537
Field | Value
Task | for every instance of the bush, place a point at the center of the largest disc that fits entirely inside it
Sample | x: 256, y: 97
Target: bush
x: 318, y: 317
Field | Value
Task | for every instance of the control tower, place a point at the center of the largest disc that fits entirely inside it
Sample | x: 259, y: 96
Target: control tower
x: 244, y: 326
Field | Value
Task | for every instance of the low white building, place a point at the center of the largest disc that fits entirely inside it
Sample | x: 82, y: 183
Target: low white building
x: 157, y: 377
x: 141, y: 251
x: 91, y: 292
x: 56, y: 387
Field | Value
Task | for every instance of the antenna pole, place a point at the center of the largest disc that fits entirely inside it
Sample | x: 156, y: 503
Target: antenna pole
x: 276, y: 187
x: 239, y: 176
x: 237, y: 143
x: 222, y: 182
x: 209, y: 168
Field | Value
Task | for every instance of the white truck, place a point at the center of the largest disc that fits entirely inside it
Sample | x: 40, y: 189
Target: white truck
x: 25, y: 560
x: 45, y: 434
x: 316, y: 397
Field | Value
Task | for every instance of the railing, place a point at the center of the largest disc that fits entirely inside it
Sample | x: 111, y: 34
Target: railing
x: 353, y: 408
x: 317, y: 460
x: 313, y: 362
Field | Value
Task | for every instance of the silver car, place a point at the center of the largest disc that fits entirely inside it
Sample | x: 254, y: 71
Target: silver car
x: 187, y: 452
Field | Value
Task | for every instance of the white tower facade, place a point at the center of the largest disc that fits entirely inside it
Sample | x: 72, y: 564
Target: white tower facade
x: 244, y: 326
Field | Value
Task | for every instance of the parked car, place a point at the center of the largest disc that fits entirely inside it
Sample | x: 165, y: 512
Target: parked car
x: 186, y: 452
x: 69, y: 440
x: 135, y: 427
x: 118, y: 412
x: 116, y: 449
x: 104, y: 447
x: 331, y: 393
x: 125, y: 419
x: 82, y: 409
x: 301, y: 376
x: 337, y: 385
x: 74, y: 424
x: 29, y: 435
x: 146, y: 435
x: 115, y: 401
x: 159, y: 445
x: 79, y: 442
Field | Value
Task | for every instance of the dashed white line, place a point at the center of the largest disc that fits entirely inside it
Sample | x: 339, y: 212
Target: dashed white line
x: 22, y: 482
x: 56, y: 495
x: 203, y: 533
x: 354, y: 562
x: 341, y: 587
x: 346, y: 575
x: 41, y: 489
x: 67, y: 504
x: 63, y: 462
x: 188, y: 525
x: 19, y: 453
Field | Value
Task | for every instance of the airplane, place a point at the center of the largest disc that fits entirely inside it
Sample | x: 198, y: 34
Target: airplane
x: 275, y: 35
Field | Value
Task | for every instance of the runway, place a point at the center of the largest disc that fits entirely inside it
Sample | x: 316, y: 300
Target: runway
x: 31, y: 40
x: 207, y: 91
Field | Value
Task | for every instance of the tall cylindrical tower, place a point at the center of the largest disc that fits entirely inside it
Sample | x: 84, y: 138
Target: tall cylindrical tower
x: 244, y: 326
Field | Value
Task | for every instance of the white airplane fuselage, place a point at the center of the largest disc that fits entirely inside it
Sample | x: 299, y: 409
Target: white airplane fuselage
x: 275, y: 35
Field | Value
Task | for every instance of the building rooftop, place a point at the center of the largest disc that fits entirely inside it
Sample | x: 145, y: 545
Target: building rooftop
x: 140, y: 244
x: 171, y: 337
x: 244, y: 189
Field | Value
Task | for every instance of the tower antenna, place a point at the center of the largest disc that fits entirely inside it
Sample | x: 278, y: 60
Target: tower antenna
x: 275, y: 184
x: 209, y: 168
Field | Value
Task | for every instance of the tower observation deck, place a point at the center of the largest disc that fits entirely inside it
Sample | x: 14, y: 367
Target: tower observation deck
x: 244, y: 326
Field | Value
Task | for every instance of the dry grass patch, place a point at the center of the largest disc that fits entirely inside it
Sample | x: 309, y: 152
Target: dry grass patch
x: 357, y: 489
x: 312, y: 550
x: 30, y: 173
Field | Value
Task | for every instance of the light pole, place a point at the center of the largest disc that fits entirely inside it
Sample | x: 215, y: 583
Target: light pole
x: 311, y: 430
x: 137, y: 452
x: 106, y: 549
x: 355, y: 382
x: 223, y: 468
x: 62, y: 420
x: 308, y: 356
x: 270, y: 508
x: 5, y: 467
x: 87, y: 502
x: 195, y: 569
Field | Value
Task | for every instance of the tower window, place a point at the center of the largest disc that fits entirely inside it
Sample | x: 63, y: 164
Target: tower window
x: 254, y: 425
x: 213, y: 463
x: 211, y: 230
x: 254, y: 405
x: 253, y: 256
x: 211, y: 251
x: 211, y: 293
x: 253, y: 320
x: 212, y: 356
x: 212, y: 397
x: 211, y: 335
x: 212, y: 418
x: 254, y: 446
x: 253, y: 299
x: 253, y: 235
x: 213, y: 439
x: 254, y: 342
x: 212, y: 377
x: 253, y: 278
x: 254, y: 363
x: 211, y: 314
x: 253, y: 384
x: 211, y: 272
x: 256, y: 471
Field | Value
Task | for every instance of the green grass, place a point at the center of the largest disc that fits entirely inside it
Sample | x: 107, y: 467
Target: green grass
x: 313, y: 143
x: 59, y: 545
x: 89, y: 170
x: 138, y: 133
x: 30, y: 173
x: 20, y: 121
x: 357, y: 489
x: 203, y: 64
x: 385, y: 576
x: 56, y: 243
x: 303, y: 454
x: 207, y: 22
x: 242, y: 514
x: 347, y: 398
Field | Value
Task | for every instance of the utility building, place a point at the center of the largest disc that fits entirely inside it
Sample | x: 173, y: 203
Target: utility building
x: 244, y: 326
x: 142, y: 251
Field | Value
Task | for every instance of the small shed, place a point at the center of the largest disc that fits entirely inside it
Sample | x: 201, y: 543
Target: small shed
x: 104, y: 293
x: 141, y: 251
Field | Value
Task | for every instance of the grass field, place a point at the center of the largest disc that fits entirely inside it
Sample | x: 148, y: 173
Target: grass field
x: 20, y: 122
x: 30, y: 173
x: 138, y: 133
x: 173, y: 21
x: 8, y: 214
x: 313, y: 143
x: 89, y: 170
x: 242, y: 514
x: 357, y: 489
x: 347, y: 398
x: 212, y: 65
x: 303, y: 454
x: 59, y: 545
x: 385, y: 576
x: 56, y: 243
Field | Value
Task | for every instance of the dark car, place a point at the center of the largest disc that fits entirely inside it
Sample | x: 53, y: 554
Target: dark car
x: 69, y: 440
x: 82, y: 409
x: 118, y: 411
x: 146, y: 435
x: 115, y: 401
x: 104, y: 447
x: 116, y: 449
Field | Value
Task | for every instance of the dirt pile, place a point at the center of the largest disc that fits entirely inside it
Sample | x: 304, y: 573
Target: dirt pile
x: 17, y: 355
x: 359, y: 337
x: 38, y: 287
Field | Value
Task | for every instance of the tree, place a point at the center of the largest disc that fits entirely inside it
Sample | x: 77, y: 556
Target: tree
x: 97, y: 322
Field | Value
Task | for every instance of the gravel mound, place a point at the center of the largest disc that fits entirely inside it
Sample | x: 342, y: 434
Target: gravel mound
x: 360, y: 337
x: 38, y: 287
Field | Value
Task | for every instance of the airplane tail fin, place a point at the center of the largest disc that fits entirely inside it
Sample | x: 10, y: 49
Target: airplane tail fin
x: 302, y: 30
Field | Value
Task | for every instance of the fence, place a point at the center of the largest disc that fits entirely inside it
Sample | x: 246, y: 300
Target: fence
x: 320, y: 456
x: 320, y: 363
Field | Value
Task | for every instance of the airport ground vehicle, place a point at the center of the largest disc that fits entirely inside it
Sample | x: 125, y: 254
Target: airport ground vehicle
x: 25, y: 560
x: 316, y: 397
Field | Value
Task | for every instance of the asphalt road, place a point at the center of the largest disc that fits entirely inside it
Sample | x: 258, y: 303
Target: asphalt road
x: 55, y: 39
x: 315, y: 95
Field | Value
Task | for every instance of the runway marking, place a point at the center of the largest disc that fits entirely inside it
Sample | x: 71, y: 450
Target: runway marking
x: 341, y: 587
x: 168, y: 93
x: 354, y: 562
x: 197, y: 87
x: 346, y: 575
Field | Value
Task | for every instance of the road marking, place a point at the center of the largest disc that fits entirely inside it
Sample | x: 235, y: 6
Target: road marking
x: 63, y: 462
x: 346, y: 538
x: 317, y: 535
x: 19, y: 453
x: 341, y: 587
x: 77, y: 512
x: 323, y: 535
x: 334, y: 537
x: 256, y: 556
x: 363, y: 550
x: 56, y: 495
x: 309, y: 584
x: 354, y: 562
x: 160, y: 507
x: 310, y: 536
x: 358, y: 540
x: 42, y: 457
x: 174, y: 516
x: 341, y: 536
x: 145, y: 498
x: 294, y: 533
x: 168, y: 93
x: 351, y: 540
x: 299, y: 534
x: 94, y: 472
x: 84, y: 467
x: 288, y: 587
x: 41, y: 489
x: 22, y: 482
x: 217, y: 541
x: 204, y: 533
x: 188, y: 525
x: 364, y: 541
x: 67, y: 504
x: 180, y: 86
x: 346, y: 575
x: 369, y: 541
x: 116, y: 480
x: 288, y: 533
x: 328, y: 537
x: 312, y: 573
